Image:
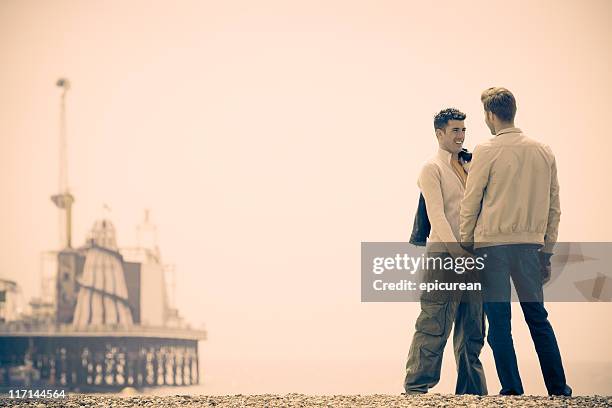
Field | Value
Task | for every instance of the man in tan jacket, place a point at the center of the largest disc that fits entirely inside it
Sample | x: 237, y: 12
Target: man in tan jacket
x: 510, y: 214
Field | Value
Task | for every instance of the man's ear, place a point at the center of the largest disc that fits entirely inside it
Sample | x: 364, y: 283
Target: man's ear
x: 439, y: 133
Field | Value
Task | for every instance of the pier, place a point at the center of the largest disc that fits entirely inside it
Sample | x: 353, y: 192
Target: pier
x: 100, y: 358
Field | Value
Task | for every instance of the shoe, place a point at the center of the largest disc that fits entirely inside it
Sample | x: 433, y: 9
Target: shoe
x: 414, y: 392
x: 510, y: 392
x: 567, y: 392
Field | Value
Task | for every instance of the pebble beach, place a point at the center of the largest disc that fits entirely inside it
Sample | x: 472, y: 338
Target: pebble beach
x: 301, y: 400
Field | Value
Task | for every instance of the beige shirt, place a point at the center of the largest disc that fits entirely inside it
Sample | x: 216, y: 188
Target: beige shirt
x: 443, y: 191
x: 460, y: 171
x: 512, y: 193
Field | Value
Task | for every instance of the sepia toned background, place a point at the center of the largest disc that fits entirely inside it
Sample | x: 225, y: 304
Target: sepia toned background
x: 270, y: 138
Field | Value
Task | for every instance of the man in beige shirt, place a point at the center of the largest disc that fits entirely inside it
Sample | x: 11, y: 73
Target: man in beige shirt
x: 442, y: 183
x: 510, y: 214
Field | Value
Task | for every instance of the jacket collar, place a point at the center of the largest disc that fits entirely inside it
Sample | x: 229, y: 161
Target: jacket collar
x: 444, y: 155
x: 508, y: 130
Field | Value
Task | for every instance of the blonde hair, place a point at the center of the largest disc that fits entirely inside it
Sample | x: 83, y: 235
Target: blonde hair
x: 500, y: 102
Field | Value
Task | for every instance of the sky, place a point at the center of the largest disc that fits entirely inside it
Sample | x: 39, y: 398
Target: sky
x: 270, y: 138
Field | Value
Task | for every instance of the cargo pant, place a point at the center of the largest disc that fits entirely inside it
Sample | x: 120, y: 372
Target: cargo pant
x: 439, y: 311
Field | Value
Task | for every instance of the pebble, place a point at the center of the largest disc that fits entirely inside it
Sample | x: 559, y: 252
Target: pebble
x: 303, y: 401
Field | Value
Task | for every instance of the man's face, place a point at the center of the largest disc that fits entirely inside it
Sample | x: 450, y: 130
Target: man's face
x: 489, y: 121
x: 451, y: 137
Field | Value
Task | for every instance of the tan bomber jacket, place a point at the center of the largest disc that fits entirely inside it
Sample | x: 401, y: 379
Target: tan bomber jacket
x: 443, y: 192
x: 512, y: 193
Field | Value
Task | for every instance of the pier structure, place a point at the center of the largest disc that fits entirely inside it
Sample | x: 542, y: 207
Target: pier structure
x: 100, y: 358
x: 106, y: 316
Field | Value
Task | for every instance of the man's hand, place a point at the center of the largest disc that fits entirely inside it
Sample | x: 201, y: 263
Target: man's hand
x: 545, y: 268
x: 468, y: 246
x: 458, y: 251
x: 465, y: 254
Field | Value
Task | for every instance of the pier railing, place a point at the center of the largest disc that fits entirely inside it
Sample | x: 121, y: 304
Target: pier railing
x: 35, y: 329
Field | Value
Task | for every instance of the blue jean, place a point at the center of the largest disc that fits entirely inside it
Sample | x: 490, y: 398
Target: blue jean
x: 521, y: 263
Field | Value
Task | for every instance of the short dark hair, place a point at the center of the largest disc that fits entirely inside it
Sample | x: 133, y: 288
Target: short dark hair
x: 441, y: 119
x: 500, y: 102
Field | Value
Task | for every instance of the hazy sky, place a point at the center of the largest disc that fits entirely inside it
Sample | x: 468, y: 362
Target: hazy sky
x: 269, y: 138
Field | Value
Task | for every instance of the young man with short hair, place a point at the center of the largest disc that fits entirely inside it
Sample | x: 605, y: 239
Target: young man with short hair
x: 510, y: 214
x: 442, y: 184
